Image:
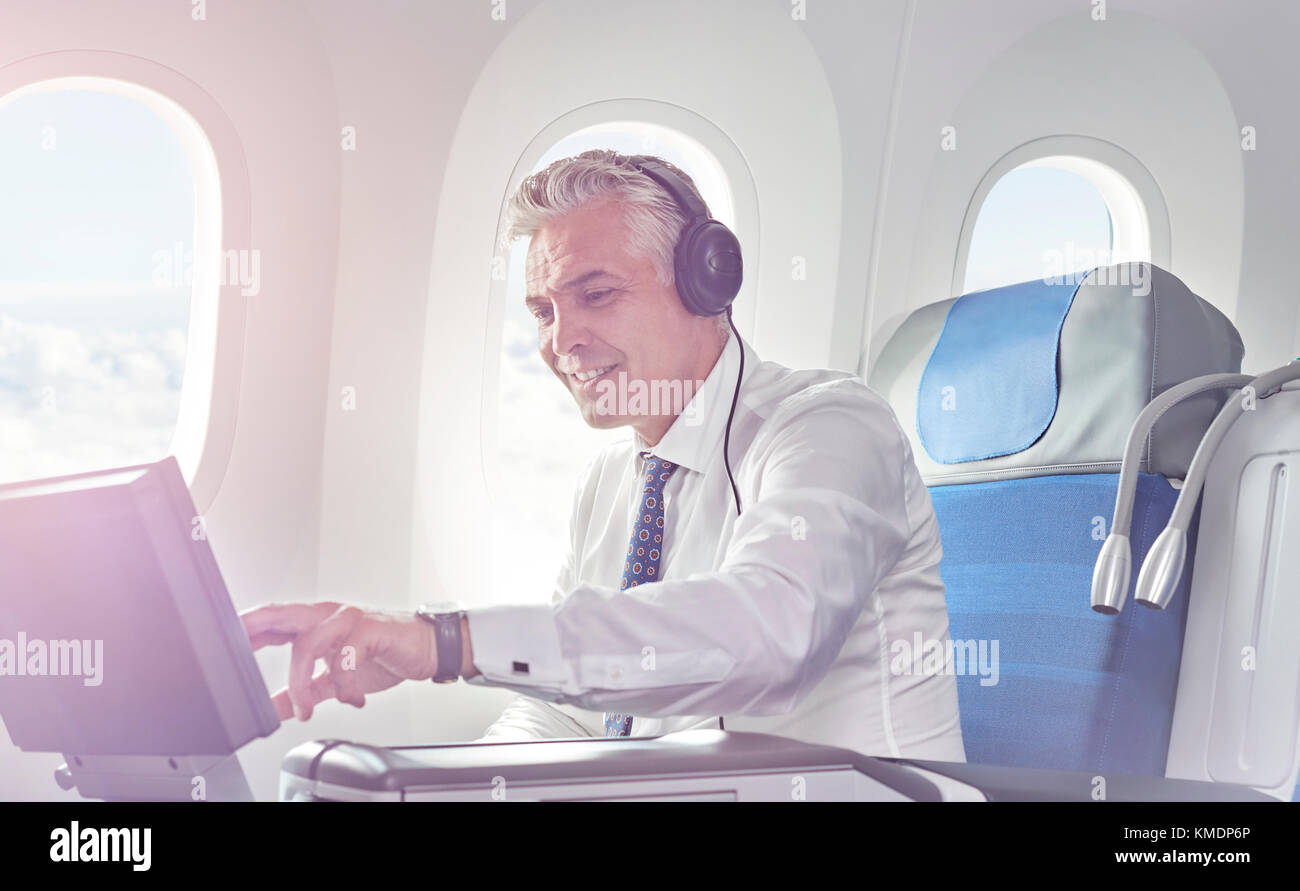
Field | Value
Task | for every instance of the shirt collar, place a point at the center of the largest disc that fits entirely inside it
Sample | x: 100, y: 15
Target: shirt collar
x: 698, y: 431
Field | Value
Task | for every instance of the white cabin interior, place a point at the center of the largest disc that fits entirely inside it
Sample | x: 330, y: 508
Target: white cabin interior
x: 351, y: 411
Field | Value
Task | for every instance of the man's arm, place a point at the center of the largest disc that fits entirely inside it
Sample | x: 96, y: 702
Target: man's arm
x: 828, y: 523
x: 527, y: 718
x: 370, y: 650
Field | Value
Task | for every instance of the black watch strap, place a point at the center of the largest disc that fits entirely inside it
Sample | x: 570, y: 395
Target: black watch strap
x: 450, y: 646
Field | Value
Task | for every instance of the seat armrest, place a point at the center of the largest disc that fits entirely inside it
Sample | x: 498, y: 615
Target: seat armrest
x: 1036, y: 784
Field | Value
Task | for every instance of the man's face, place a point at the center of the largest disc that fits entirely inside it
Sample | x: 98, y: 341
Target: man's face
x: 598, y: 307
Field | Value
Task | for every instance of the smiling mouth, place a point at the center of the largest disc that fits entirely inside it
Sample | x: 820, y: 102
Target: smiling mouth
x: 590, y: 382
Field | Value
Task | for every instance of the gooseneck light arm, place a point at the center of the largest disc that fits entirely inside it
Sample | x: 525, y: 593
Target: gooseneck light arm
x: 1113, y: 571
x: 1163, y: 565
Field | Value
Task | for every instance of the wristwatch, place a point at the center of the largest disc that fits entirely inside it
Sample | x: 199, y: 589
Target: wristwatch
x: 446, y: 617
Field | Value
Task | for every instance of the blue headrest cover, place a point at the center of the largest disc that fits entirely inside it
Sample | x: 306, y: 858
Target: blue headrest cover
x: 990, y: 386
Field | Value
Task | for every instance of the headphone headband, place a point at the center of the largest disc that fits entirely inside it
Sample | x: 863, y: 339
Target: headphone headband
x: 685, y: 196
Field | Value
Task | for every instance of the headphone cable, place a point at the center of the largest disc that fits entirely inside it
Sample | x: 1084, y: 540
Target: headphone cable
x: 726, y: 439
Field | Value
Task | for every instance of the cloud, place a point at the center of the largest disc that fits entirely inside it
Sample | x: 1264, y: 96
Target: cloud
x: 85, y: 398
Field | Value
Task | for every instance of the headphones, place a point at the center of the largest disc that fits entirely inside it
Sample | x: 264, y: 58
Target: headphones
x: 707, y: 269
x: 706, y: 262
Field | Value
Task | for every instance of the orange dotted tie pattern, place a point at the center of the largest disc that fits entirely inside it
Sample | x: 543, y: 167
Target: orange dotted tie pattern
x: 642, y: 565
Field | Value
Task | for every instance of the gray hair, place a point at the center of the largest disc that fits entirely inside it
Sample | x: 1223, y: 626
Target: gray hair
x: 654, y: 219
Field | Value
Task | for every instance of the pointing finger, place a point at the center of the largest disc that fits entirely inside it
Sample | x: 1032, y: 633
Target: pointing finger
x: 270, y: 639
x: 321, y: 689
x: 286, y: 618
x: 318, y: 643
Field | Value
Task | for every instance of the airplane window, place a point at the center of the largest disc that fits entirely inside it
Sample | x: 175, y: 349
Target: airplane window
x: 1040, y: 222
x: 97, y: 221
x: 542, y: 443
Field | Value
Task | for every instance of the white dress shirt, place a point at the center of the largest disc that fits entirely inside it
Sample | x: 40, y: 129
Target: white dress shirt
x: 783, y: 620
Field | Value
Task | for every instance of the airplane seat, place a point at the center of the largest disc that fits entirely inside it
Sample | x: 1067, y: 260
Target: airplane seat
x: 1018, y: 402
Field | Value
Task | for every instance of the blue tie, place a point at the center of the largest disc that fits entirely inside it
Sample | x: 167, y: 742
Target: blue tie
x: 642, y: 565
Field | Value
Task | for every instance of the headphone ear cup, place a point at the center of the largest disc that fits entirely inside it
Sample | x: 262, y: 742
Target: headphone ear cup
x: 708, y: 268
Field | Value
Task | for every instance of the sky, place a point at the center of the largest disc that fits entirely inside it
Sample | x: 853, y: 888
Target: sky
x: 1029, y: 212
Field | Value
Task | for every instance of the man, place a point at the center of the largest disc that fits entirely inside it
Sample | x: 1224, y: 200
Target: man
x: 779, y: 604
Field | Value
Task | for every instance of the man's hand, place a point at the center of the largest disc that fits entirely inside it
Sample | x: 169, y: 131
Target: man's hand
x: 364, y: 651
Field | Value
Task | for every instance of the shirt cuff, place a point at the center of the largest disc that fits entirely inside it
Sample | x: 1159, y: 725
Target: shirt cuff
x: 519, y: 647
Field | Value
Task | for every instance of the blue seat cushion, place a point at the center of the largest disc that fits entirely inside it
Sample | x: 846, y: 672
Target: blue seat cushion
x: 1076, y: 690
x: 990, y: 386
